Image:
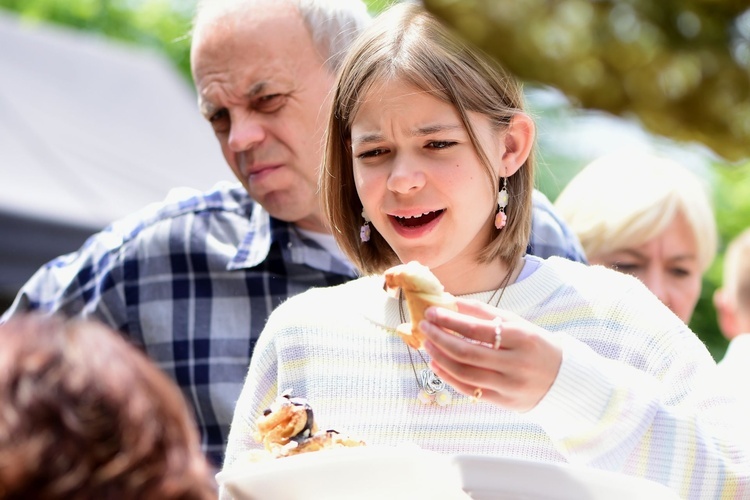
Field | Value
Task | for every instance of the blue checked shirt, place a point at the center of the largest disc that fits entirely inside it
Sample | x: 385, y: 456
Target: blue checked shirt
x: 192, y: 280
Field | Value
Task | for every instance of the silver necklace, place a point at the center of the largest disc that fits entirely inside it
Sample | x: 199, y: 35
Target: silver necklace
x: 432, y: 389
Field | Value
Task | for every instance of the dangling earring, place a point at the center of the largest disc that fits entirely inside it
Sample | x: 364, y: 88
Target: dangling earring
x: 502, y: 202
x: 364, y: 231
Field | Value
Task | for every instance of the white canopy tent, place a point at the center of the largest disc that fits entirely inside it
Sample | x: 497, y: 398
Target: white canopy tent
x: 90, y: 130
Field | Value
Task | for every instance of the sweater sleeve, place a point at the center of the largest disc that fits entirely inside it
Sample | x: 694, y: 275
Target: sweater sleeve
x: 667, y: 421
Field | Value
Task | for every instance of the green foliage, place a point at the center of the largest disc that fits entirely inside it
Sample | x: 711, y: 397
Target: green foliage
x: 151, y: 23
x: 681, y: 67
x: 376, y: 6
x: 732, y: 205
x: 162, y: 25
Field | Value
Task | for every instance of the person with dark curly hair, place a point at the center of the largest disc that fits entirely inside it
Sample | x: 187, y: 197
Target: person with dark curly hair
x: 83, y: 414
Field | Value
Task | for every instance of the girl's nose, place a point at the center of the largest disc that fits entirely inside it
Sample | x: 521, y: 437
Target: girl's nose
x: 405, y: 176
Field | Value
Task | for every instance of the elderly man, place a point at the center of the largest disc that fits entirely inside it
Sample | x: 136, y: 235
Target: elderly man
x: 192, y: 280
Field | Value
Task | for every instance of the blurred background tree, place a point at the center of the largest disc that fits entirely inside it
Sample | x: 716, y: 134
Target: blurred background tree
x: 678, y: 68
x: 163, y: 25
x: 682, y: 67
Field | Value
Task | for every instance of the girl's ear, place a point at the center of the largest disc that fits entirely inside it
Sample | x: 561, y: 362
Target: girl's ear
x: 518, y: 139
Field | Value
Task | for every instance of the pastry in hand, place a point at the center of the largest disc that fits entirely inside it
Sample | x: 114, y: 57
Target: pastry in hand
x: 421, y: 289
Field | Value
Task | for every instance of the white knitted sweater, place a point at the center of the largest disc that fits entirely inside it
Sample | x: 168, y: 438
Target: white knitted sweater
x: 629, y: 397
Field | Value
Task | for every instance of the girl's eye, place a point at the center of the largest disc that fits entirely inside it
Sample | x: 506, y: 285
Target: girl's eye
x: 440, y: 144
x: 372, y: 153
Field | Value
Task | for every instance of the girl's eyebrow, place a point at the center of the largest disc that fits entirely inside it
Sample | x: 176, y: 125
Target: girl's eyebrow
x: 418, y: 132
x: 431, y: 129
x: 367, y: 139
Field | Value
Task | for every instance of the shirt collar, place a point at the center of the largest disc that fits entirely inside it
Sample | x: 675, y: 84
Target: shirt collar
x: 265, y: 230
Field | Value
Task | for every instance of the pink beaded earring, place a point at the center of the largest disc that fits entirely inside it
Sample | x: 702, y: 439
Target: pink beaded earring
x: 502, y: 202
x: 364, y: 231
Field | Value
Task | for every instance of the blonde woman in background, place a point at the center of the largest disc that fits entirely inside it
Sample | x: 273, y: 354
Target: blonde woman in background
x: 647, y: 216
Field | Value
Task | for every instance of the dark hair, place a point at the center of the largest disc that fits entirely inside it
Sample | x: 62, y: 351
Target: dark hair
x: 407, y: 43
x: 83, y: 414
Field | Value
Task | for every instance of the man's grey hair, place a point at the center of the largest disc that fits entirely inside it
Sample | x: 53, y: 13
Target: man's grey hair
x: 333, y: 24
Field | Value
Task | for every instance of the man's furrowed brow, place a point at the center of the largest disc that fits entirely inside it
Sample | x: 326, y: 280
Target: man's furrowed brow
x: 207, y: 108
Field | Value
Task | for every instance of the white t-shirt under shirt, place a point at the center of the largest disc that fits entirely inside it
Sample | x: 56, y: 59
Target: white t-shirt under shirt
x: 326, y: 241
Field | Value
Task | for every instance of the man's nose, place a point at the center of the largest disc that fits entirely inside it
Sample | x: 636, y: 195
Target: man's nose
x: 247, y: 130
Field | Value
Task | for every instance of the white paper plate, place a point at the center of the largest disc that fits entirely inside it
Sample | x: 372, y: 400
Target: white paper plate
x: 495, y: 478
x: 402, y: 473
x: 366, y: 473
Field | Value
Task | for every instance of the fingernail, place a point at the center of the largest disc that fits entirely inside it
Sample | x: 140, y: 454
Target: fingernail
x: 425, y: 326
x: 430, y: 313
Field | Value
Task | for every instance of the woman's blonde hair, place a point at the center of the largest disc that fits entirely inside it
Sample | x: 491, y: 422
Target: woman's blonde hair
x: 625, y: 200
x: 408, y: 44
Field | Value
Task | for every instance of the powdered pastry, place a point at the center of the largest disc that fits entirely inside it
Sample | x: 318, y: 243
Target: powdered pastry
x: 421, y: 290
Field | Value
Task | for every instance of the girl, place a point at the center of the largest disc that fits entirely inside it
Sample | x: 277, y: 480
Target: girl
x: 429, y: 158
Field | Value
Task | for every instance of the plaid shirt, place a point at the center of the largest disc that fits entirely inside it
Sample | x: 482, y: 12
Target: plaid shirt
x: 192, y: 281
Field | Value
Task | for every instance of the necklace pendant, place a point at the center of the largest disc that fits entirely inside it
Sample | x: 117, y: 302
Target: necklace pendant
x: 440, y: 398
x: 431, y: 383
x: 443, y: 398
x: 424, y: 398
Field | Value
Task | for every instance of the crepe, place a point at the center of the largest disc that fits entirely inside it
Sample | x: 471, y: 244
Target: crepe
x: 421, y: 289
x: 288, y: 428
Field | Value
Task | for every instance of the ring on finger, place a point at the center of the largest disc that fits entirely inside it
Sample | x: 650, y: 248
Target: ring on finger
x: 478, y: 393
x: 498, y: 333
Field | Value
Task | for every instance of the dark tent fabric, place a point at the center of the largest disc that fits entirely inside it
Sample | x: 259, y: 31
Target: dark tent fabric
x: 90, y: 130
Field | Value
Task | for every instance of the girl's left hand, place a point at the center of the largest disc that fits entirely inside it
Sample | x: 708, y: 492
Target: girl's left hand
x: 515, y: 376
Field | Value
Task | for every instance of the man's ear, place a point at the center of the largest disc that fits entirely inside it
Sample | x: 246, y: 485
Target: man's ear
x: 519, y: 140
x: 726, y: 315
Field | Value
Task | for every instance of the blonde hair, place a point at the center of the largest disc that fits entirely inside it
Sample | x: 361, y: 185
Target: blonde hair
x: 407, y: 43
x: 624, y: 200
x: 737, y: 271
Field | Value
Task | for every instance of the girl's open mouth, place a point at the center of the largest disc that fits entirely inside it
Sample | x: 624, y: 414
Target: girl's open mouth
x: 418, y: 220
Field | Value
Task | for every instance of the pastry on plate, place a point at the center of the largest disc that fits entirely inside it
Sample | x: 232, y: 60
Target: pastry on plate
x: 288, y: 428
